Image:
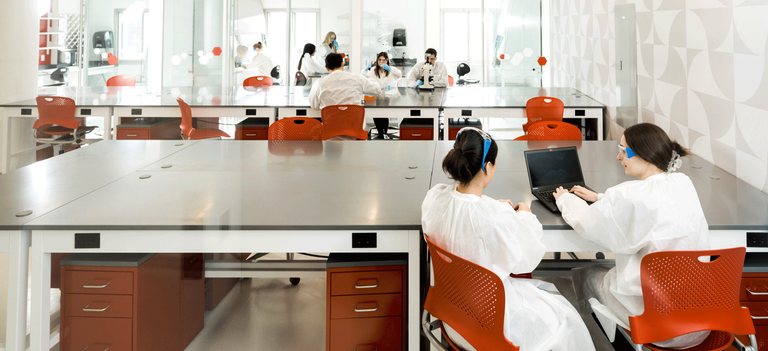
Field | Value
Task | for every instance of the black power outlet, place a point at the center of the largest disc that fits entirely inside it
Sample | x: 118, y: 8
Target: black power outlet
x: 87, y: 240
x: 363, y: 240
x: 757, y: 239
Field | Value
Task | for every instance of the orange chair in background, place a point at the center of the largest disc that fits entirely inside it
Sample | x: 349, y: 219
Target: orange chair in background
x: 450, y: 81
x: 190, y: 133
x: 692, y: 296
x: 125, y: 80
x: 343, y: 120
x: 552, y: 131
x: 56, y: 118
x: 257, y: 82
x: 469, y: 298
x: 543, y: 108
x: 296, y: 128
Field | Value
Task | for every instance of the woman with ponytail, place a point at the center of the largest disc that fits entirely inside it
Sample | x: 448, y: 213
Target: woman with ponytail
x: 504, y: 238
x: 659, y: 212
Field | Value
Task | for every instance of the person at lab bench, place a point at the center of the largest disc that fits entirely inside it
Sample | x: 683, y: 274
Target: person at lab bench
x: 307, y: 64
x: 340, y: 87
x: 439, y: 76
x: 387, y: 77
x: 261, y: 62
x: 659, y: 212
x: 504, y: 238
x: 329, y: 45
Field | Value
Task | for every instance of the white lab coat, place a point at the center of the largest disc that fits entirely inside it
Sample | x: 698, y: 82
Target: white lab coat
x: 635, y: 218
x: 322, y: 51
x: 341, y: 88
x: 310, y: 67
x: 490, y: 234
x: 439, y: 74
x: 260, y: 65
x: 384, y: 80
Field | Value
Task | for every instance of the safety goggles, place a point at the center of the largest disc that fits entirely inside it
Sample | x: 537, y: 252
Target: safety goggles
x: 626, y: 152
x: 486, y: 141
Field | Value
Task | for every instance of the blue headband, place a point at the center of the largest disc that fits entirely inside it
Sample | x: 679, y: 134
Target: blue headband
x: 486, y: 141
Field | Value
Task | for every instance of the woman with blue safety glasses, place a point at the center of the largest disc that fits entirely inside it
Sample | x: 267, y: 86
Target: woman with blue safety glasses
x: 659, y: 212
x: 503, y: 238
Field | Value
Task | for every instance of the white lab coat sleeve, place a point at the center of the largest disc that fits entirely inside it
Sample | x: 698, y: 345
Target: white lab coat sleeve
x: 606, y: 222
x: 440, y: 76
x: 396, y: 73
x: 312, y: 65
x: 370, y: 86
x: 314, y: 96
x: 530, y: 221
x: 517, y: 248
x: 414, y: 76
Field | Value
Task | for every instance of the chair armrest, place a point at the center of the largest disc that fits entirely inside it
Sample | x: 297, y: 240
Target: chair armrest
x: 426, y: 327
x: 741, y: 347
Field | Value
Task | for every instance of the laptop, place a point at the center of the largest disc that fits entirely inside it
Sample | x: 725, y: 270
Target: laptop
x: 549, y: 169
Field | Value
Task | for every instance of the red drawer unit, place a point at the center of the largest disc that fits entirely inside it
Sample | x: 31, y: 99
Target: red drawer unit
x: 455, y: 125
x: 417, y: 129
x: 252, y: 129
x: 366, y: 302
x: 149, y: 128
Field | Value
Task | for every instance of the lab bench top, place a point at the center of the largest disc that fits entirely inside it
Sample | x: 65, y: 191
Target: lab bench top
x: 46, y: 185
x: 399, y: 98
x: 496, y: 97
x: 98, y: 259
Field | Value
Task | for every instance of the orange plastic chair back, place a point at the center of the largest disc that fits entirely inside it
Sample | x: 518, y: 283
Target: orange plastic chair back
x: 186, y: 118
x: 543, y: 108
x: 343, y: 120
x: 684, y: 295
x: 125, y: 80
x: 450, y: 81
x: 257, y: 82
x: 552, y: 131
x: 296, y: 128
x: 55, y: 110
x: 469, y: 298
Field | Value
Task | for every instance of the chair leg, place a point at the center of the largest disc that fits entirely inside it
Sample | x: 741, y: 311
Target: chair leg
x: 294, y: 280
x: 58, y: 149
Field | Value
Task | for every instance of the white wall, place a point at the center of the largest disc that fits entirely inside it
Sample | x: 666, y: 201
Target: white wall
x: 393, y: 16
x: 702, y: 72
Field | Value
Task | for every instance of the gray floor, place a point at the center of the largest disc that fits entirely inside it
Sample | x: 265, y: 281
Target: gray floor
x: 271, y: 314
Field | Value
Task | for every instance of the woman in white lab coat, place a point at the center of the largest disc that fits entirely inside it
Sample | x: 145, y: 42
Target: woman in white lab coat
x: 307, y: 64
x: 659, y: 212
x: 329, y: 45
x: 387, y: 77
x: 503, y: 238
x: 260, y: 63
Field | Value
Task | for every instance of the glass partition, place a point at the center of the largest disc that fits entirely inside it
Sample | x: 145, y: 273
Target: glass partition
x: 513, y: 43
x: 461, y: 24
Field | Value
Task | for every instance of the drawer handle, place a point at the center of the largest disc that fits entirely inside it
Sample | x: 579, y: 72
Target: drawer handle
x: 756, y: 293
x: 361, y: 310
x: 375, y: 285
x: 88, y: 286
x: 759, y: 317
x: 416, y: 135
x: 86, y: 309
x: 251, y: 134
x: 133, y: 135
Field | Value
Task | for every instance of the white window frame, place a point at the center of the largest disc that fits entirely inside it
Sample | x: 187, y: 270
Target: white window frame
x: 293, y: 21
x: 442, y: 26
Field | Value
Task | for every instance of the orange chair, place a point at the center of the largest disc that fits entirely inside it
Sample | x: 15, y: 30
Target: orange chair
x: 469, y: 298
x: 190, y: 133
x: 301, y: 79
x: 56, y: 118
x: 343, y: 120
x: 552, y: 131
x: 125, y: 80
x: 296, y: 128
x: 257, y: 82
x: 450, y: 81
x: 543, y: 108
x: 683, y: 295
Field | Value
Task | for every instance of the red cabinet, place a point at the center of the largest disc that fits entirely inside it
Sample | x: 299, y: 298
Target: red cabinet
x: 147, y: 128
x: 417, y: 129
x: 252, y: 129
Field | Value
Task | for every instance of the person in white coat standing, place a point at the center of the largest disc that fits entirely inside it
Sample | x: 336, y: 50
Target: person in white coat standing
x: 261, y: 62
x: 438, y: 76
x: 340, y: 87
x: 387, y: 77
x: 659, y: 212
x: 504, y: 238
x: 328, y: 46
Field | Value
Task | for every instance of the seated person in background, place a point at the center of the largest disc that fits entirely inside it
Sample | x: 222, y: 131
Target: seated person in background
x: 242, y: 55
x: 504, y: 238
x: 659, y: 212
x: 339, y: 87
x: 260, y: 62
x: 439, y: 76
x: 387, y: 77
x: 307, y: 63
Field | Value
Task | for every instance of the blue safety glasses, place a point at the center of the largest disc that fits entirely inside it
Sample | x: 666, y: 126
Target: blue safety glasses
x: 626, y: 152
x: 486, y: 141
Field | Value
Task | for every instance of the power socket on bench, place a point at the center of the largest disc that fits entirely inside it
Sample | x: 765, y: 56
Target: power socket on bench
x: 363, y: 240
x: 757, y: 239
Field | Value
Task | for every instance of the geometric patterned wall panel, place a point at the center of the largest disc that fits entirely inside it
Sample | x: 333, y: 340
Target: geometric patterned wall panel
x: 701, y: 66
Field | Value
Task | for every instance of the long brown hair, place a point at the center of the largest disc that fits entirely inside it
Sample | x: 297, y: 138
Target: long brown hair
x: 652, y: 144
x: 378, y: 70
x: 308, y: 49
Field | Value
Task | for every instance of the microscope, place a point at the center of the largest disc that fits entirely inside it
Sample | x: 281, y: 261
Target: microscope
x: 426, y: 73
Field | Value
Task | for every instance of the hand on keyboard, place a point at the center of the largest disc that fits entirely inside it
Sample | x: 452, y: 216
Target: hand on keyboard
x: 584, y: 193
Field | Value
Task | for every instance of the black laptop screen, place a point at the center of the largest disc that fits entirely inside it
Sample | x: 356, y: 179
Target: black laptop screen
x: 556, y: 167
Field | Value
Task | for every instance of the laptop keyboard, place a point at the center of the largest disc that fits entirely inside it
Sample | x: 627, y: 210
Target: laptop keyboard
x: 546, y: 195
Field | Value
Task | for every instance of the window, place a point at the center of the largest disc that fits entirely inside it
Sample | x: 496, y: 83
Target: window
x: 130, y: 36
x: 462, y: 35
